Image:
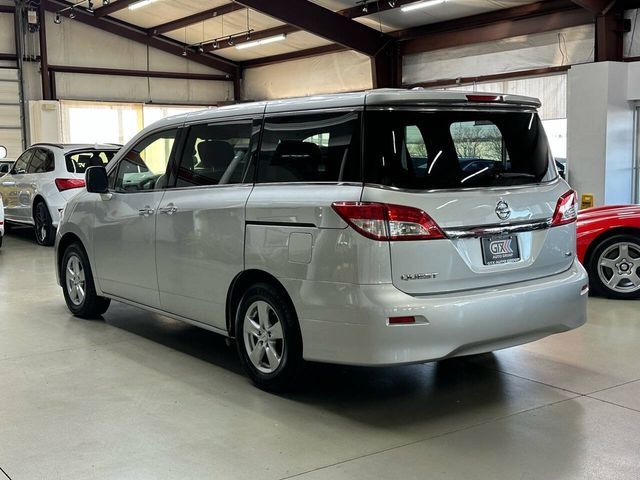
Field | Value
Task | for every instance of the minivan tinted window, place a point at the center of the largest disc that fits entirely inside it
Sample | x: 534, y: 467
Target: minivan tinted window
x: 321, y: 147
x: 144, y: 166
x: 455, y: 149
x: 215, y: 154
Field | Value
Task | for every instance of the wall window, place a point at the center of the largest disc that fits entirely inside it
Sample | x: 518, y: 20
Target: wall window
x: 110, y: 122
x: 144, y: 166
x: 310, y: 148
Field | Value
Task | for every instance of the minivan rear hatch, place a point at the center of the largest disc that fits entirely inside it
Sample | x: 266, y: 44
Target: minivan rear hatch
x: 484, y: 174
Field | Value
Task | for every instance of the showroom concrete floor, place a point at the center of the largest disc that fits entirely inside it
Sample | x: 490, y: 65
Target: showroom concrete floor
x: 139, y: 396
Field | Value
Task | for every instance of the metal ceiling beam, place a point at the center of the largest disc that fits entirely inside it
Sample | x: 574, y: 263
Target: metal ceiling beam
x: 490, y: 78
x: 597, y: 7
x: 136, y: 73
x: 531, y: 10
x: 113, y: 7
x: 195, y: 18
x: 7, y: 9
x: 610, y: 28
x: 324, y: 23
x: 465, y: 32
x: 286, y: 57
x: 136, y: 34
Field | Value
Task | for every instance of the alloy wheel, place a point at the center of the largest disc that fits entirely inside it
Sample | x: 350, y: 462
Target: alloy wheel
x: 263, y: 337
x: 75, y: 280
x: 41, y: 223
x: 619, y: 267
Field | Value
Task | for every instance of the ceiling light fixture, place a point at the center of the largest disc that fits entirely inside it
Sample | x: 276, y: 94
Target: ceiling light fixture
x: 72, y: 13
x: 57, y: 20
x: 140, y: 4
x: 419, y: 5
x: 392, y: 3
x: 105, y: 2
x: 262, y: 41
x: 90, y: 6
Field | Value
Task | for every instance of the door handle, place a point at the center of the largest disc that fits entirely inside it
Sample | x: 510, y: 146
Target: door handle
x: 146, y: 211
x: 169, y: 209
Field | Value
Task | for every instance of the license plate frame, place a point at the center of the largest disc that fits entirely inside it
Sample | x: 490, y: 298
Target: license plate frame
x: 500, y: 249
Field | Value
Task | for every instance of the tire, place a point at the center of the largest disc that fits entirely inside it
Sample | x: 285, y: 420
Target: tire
x: 614, y: 267
x: 75, y: 271
x: 278, y: 349
x: 43, y: 226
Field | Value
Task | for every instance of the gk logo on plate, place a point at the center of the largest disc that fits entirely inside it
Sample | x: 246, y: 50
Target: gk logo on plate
x: 501, y: 247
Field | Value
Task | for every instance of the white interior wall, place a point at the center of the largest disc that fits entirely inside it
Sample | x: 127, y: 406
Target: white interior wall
x: 562, y: 47
x: 76, y: 44
x: 338, y: 72
x: 44, y: 121
x: 600, y: 112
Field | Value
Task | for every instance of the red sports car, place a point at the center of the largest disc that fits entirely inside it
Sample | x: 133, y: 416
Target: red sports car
x: 609, y: 248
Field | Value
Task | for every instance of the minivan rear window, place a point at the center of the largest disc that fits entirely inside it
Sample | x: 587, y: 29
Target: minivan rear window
x: 455, y: 149
x: 78, y: 162
x: 310, y: 147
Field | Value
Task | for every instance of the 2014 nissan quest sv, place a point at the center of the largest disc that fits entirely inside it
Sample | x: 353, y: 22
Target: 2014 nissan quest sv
x: 376, y: 228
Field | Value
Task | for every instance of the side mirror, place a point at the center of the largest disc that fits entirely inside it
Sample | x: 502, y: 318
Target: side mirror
x: 96, y: 180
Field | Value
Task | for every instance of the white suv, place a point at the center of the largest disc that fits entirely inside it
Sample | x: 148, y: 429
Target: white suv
x: 43, y: 178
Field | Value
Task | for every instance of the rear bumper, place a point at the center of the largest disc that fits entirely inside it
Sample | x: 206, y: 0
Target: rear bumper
x: 348, y: 324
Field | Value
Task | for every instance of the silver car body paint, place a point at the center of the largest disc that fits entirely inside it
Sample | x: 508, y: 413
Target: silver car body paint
x: 344, y: 286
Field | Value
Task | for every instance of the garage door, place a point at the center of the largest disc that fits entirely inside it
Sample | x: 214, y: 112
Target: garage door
x: 10, y: 128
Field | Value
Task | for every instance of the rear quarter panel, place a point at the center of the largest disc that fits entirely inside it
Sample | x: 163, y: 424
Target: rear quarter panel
x: 79, y: 220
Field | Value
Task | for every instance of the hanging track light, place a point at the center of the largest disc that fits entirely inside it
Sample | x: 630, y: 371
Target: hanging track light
x: 418, y: 5
x: 262, y: 41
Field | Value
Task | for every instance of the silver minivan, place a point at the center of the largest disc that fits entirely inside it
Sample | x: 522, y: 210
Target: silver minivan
x: 377, y: 228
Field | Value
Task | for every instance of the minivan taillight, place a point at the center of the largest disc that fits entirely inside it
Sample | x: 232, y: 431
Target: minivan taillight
x: 69, y: 183
x: 566, y: 209
x: 381, y: 221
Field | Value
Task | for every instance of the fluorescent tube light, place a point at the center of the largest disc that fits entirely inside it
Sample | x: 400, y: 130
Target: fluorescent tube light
x: 262, y: 41
x: 140, y: 4
x: 418, y: 5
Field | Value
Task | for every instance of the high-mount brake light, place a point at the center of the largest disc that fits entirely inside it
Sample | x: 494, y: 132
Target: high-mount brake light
x: 401, y: 320
x: 381, y: 221
x: 69, y: 183
x: 566, y: 209
x: 485, y: 98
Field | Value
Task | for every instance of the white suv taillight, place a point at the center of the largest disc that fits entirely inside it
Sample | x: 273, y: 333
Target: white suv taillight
x: 69, y: 183
x: 381, y: 221
x: 566, y: 209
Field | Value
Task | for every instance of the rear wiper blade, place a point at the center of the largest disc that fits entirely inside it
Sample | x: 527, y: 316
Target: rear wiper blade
x: 514, y: 175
